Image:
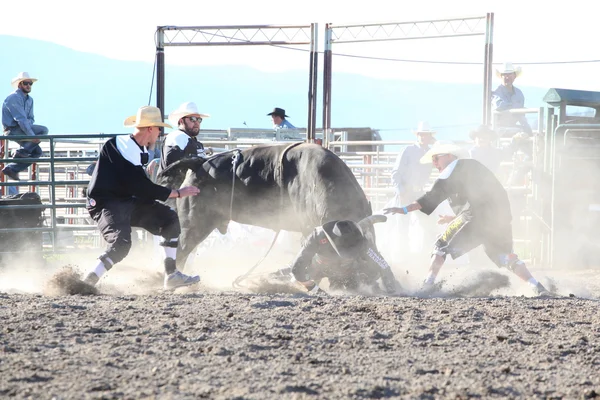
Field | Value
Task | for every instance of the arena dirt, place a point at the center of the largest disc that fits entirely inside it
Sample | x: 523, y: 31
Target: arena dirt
x: 481, y: 335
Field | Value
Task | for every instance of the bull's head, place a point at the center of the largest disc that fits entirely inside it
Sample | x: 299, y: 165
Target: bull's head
x: 200, y: 215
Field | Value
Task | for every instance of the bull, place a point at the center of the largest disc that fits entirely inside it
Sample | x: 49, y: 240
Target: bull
x: 294, y: 187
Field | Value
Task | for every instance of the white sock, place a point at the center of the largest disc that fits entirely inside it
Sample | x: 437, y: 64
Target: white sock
x: 99, y: 269
x: 170, y: 252
x: 430, y: 280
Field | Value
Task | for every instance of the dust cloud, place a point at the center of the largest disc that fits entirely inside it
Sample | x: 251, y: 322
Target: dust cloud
x: 224, y: 258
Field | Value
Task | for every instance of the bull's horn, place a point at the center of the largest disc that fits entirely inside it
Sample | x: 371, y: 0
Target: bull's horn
x: 183, y: 164
x: 373, y: 219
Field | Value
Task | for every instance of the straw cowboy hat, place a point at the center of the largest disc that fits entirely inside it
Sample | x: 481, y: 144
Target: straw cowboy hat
x: 146, y: 116
x: 185, y: 110
x: 279, y: 112
x: 424, y: 127
x: 483, y: 131
x: 442, y: 147
x: 23, y: 76
x: 508, y: 68
x: 346, y: 238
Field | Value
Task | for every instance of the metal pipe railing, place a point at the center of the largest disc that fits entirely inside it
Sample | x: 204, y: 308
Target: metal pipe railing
x: 52, y: 182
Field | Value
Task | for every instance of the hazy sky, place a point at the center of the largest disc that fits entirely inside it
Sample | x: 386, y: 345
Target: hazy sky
x: 526, y: 31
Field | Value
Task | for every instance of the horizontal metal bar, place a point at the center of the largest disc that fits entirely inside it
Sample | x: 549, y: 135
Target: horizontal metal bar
x: 241, y: 43
x: 405, y: 38
x: 229, y: 27
x: 43, y: 206
x: 61, y: 227
x: 56, y: 137
x: 44, y: 183
x: 44, y: 160
x: 469, y: 18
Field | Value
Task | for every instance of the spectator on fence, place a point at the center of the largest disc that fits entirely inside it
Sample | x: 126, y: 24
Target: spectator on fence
x: 508, y: 97
x: 484, y: 216
x: 279, y: 119
x: 18, y: 119
x: 121, y: 196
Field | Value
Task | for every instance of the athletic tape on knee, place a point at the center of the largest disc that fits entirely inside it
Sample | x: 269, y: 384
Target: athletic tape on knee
x: 105, y: 259
x: 169, y: 243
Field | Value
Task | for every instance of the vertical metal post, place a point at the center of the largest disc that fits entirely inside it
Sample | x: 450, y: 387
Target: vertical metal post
x: 487, y: 68
x: 53, y: 195
x: 547, y: 141
x: 553, y: 232
x: 312, y: 84
x: 160, y: 71
x: 327, y: 60
x: 3, y: 147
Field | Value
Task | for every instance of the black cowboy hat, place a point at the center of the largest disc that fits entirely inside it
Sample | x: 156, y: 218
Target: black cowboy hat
x: 346, y: 238
x: 485, y: 131
x: 279, y: 111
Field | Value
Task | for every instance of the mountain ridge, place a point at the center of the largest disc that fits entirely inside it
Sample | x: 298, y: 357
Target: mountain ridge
x: 80, y: 92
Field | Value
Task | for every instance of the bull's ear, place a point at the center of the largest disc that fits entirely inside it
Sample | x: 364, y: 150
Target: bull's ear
x: 181, y: 167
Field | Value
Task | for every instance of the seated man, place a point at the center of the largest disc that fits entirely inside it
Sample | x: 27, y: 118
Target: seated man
x: 339, y: 251
x: 508, y: 97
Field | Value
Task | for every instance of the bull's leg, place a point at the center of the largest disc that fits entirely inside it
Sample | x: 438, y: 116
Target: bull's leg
x: 188, y: 240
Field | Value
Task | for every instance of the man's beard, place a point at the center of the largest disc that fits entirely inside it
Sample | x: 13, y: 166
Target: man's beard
x: 193, y: 132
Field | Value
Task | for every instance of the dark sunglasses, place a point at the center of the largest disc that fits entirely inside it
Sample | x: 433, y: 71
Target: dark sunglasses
x: 26, y: 83
x: 195, y: 119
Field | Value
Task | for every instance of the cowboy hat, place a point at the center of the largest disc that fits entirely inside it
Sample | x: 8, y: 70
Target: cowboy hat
x: 442, y: 147
x: 346, y: 238
x: 424, y: 127
x: 185, y: 110
x: 146, y: 116
x: 483, y: 131
x: 23, y: 76
x: 508, y: 68
x: 279, y: 112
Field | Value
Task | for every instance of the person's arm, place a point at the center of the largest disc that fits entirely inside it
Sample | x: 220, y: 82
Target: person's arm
x: 402, y: 210
x: 16, y: 107
x: 387, y: 275
x: 304, y: 258
x: 430, y: 200
x: 501, y: 100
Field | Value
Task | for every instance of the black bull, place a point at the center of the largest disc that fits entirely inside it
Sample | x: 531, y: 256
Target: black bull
x: 293, y: 187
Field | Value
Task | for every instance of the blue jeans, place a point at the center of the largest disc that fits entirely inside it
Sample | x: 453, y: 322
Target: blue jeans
x: 27, y: 147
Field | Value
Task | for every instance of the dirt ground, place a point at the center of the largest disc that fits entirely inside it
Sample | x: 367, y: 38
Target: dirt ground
x: 483, y: 335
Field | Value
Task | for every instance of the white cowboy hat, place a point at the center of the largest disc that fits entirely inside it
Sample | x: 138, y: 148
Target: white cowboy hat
x: 184, y: 110
x: 508, y: 68
x: 23, y: 76
x: 442, y: 147
x: 424, y: 127
x: 146, y: 116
